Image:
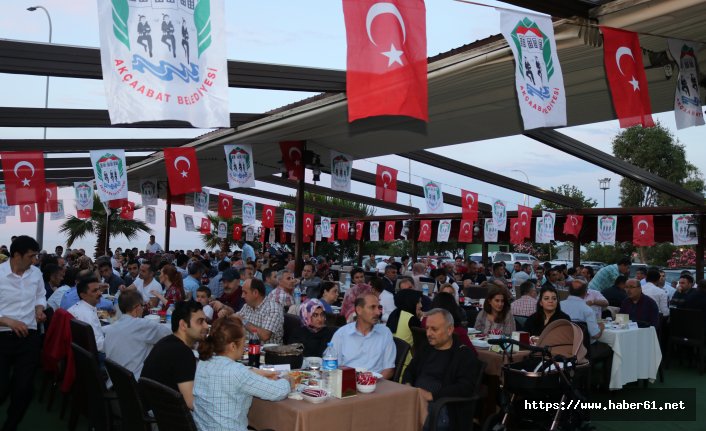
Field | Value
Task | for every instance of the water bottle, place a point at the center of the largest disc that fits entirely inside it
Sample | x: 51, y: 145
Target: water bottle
x: 170, y: 310
x: 347, y: 285
x: 425, y: 289
x: 297, y: 295
x: 330, y: 363
x: 254, y: 351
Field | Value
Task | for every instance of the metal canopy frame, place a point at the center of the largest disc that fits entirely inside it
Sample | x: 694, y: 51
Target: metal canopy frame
x: 83, y: 145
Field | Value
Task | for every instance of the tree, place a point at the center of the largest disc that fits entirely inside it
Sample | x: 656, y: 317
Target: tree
x: 570, y: 191
x: 211, y: 239
x: 657, y: 151
x: 98, y: 224
x: 607, y: 253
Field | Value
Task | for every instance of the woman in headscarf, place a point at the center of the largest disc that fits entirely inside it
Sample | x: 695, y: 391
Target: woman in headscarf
x: 313, y: 332
x: 405, y: 317
x: 348, y: 306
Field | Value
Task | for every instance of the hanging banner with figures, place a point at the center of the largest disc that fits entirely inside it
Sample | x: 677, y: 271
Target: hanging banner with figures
x: 607, y: 227
x: 150, y: 215
x: 273, y: 237
x: 222, y: 230
x: 250, y: 234
x: 341, y: 169
x: 433, y: 196
x: 249, y: 213
x: 544, y: 228
x: 318, y: 235
x: 9, y: 210
x: 110, y: 170
x: 326, y: 227
x: 59, y: 213
x: 374, y: 231
x: 189, y: 223
x: 687, y: 100
x: 490, y: 231
x: 289, y: 221
x: 684, y: 229
x: 201, y: 201
x: 83, y: 194
x: 443, y: 231
x: 500, y: 214
x: 165, y: 60
x: 240, y: 166
x: 538, y: 78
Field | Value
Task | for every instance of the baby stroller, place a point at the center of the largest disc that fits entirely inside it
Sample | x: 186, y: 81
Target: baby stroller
x: 541, y: 392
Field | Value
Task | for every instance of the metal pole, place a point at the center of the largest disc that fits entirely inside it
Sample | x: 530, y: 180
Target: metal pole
x: 700, y: 247
x: 299, y: 228
x: 525, y: 198
x: 167, y: 219
x: 604, y: 197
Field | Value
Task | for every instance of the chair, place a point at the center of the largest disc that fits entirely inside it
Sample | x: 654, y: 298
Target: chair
x: 403, y: 349
x: 436, y: 406
x: 474, y: 292
x: 168, y: 406
x: 687, y: 329
x: 89, y: 395
x: 82, y: 335
x: 133, y: 414
x: 520, y: 322
x: 291, y: 324
x: 419, y: 340
x: 613, y: 311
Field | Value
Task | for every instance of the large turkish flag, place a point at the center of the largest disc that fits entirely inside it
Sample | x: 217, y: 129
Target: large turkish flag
x: 24, y: 176
x: 182, y: 170
x: 386, y: 70
x: 386, y: 184
x: 643, y: 230
x: 293, y: 158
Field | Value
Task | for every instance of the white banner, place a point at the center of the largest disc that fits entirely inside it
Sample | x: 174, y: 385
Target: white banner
x: 59, y: 214
x: 189, y: 223
x: 490, y: 231
x: 538, y: 78
x: 317, y: 230
x: 433, y: 196
x: 239, y: 166
x: 249, y: 213
x: 223, y: 230
x: 273, y: 237
x: 607, y: 226
x: 341, y: 168
x: 500, y: 214
x: 374, y: 231
x: 83, y: 193
x: 326, y: 227
x: 684, y: 229
x: 110, y: 170
x: 444, y: 230
x: 4, y: 207
x: 544, y: 228
x: 150, y: 215
x: 687, y: 101
x: 3, y: 220
x: 289, y: 221
x: 149, y: 192
x: 201, y: 201
x: 165, y: 60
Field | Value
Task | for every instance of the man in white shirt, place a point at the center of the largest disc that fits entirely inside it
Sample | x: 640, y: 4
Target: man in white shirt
x: 22, y: 303
x: 146, y: 284
x: 84, y: 310
x: 152, y: 246
x: 658, y: 295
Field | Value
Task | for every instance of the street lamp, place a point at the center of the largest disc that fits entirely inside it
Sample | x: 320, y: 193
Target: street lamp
x: 525, y: 198
x: 604, y: 185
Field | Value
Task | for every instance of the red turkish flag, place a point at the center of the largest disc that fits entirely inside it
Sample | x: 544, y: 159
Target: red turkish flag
x: 282, y: 237
x: 205, y: 226
x: 127, y: 212
x: 117, y: 203
x: 306, y: 238
x: 424, y: 231
x: 332, y: 238
x: 50, y: 201
x: 469, y: 210
x: 517, y: 234
x: 643, y: 230
x: 573, y: 225
x: 293, y: 158
x: 262, y: 236
x: 386, y: 184
x: 182, y: 170
x: 524, y: 217
x: 237, y: 232
x: 178, y: 199
x: 308, y: 224
x: 465, y: 231
x: 28, y: 213
x: 343, y: 227
x: 268, y: 216
x: 225, y: 206
x: 626, y: 75
x: 386, y: 71
x: 359, y: 227
x: 172, y: 219
x: 389, y: 231
x: 83, y: 214
x: 24, y: 176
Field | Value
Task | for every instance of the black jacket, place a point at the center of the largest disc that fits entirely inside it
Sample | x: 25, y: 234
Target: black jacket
x: 314, y: 342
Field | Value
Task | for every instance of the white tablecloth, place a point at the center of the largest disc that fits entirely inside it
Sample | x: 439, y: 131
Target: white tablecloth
x: 636, y: 355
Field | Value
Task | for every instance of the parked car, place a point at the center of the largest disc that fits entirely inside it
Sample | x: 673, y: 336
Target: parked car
x: 508, y: 258
x: 672, y: 275
x: 635, y: 266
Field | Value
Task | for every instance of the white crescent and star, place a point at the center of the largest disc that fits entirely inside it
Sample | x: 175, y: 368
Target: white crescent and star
x: 621, y: 51
x: 25, y: 181
x: 49, y: 194
x: 297, y: 150
x: 514, y: 226
x: 268, y: 212
x: 647, y: 225
x: 393, y: 55
x: 27, y: 209
x: 524, y: 216
x: 466, y: 227
x: 473, y: 200
x: 225, y: 203
x: 386, y: 183
x: 425, y: 227
x: 185, y: 173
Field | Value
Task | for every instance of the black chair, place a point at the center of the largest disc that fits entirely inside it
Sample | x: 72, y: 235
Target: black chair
x: 520, y: 322
x: 687, y: 329
x: 132, y: 412
x: 403, y: 349
x: 419, y: 340
x: 470, y: 410
x: 82, y: 335
x: 291, y: 324
x: 90, y: 398
x: 168, y: 406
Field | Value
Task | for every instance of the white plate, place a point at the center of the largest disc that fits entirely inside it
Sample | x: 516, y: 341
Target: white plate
x: 314, y: 400
x: 473, y: 331
x: 480, y: 344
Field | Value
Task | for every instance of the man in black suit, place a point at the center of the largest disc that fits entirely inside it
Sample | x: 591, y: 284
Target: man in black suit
x: 390, y: 278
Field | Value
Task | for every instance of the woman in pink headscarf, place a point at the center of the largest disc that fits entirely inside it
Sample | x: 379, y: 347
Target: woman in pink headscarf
x: 313, y: 332
x: 355, y: 292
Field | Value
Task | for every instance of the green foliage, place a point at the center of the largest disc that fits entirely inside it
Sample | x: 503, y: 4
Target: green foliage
x: 607, y: 253
x: 659, y: 254
x: 656, y: 150
x: 570, y: 191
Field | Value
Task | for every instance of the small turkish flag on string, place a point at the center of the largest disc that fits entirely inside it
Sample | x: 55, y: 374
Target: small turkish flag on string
x: 386, y: 71
x: 182, y: 170
x: 386, y: 184
x: 359, y: 227
x: 28, y: 214
x: 389, y: 231
x: 262, y: 236
x: 282, y: 236
x: 117, y: 203
x: 306, y: 238
x: 643, y: 230
x: 517, y: 234
x: 83, y: 214
x: 524, y: 216
x: 50, y: 203
x: 172, y: 219
x: 332, y: 238
x: 424, y: 231
x: 573, y: 225
x: 127, y: 212
x: 293, y: 158
x: 308, y: 224
x: 343, y: 227
x: 205, y: 226
x: 469, y: 210
x: 268, y: 216
x: 24, y: 176
x: 626, y: 75
x: 237, y: 232
x: 225, y: 206
x: 465, y: 231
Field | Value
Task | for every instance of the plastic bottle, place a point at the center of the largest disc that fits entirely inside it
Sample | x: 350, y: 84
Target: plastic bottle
x: 330, y: 363
x: 170, y: 310
x: 254, y: 351
x: 297, y: 295
x: 347, y: 285
x: 425, y: 289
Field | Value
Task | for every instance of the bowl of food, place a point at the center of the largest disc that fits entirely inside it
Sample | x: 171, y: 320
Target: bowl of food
x: 366, y: 382
x: 314, y: 396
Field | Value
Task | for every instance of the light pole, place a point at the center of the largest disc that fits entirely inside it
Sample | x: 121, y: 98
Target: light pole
x: 525, y: 198
x: 40, y: 215
x: 604, y: 185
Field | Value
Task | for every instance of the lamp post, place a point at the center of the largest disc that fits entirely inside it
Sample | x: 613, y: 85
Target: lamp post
x: 40, y: 215
x: 525, y: 198
x: 604, y: 185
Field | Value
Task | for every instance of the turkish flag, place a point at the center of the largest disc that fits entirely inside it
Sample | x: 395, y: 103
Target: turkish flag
x: 172, y: 219
x: 469, y: 210
x: 28, y: 213
x: 182, y: 170
x: 386, y: 71
x: 517, y: 233
x: 237, y: 232
x: 293, y: 158
x: 306, y: 238
x: 50, y: 201
x: 626, y: 75
x: 282, y: 236
x: 332, y: 238
x: 343, y: 227
x: 24, y: 176
x: 573, y: 224
x: 178, y: 199
x: 268, y: 216
x: 308, y: 224
x: 117, y: 203
x: 465, y: 231
x: 83, y: 214
x: 127, y: 212
x: 524, y: 216
x: 262, y: 236
x: 225, y: 206
x: 386, y: 184
x: 643, y: 230
x: 205, y: 226
x: 389, y: 231
x: 359, y: 227
x: 424, y: 231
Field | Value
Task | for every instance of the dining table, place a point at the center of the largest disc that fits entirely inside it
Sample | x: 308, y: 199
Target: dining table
x: 636, y: 355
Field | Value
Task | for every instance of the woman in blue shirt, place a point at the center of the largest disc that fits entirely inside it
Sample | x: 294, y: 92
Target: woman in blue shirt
x: 328, y: 295
x: 223, y: 387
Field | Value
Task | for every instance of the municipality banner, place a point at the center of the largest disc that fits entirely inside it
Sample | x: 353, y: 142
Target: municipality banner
x: 165, y: 60
x: 110, y: 170
x: 239, y: 166
x: 341, y: 169
x: 434, y: 197
x: 607, y: 228
x: 687, y: 101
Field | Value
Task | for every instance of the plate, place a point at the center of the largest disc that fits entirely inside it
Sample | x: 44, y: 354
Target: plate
x: 480, y: 344
x: 473, y: 331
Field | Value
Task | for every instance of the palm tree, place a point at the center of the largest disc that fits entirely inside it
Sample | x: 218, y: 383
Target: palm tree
x: 211, y: 239
x: 99, y: 225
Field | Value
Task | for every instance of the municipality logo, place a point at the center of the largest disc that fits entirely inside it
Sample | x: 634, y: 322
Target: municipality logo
x: 444, y: 228
x: 606, y: 227
x: 341, y: 170
x: 239, y: 163
x: 681, y: 228
x: 248, y: 211
x: 84, y: 195
x: 110, y: 171
x: 688, y: 85
x: 433, y: 192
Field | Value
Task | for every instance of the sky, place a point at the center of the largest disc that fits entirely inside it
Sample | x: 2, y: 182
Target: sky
x: 309, y: 33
